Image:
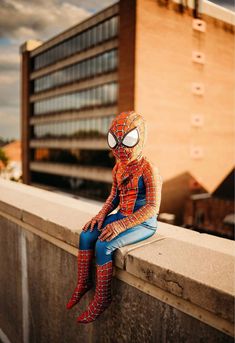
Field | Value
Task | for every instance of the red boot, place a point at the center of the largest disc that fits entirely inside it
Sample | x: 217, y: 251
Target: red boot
x: 84, y: 282
x: 102, y: 298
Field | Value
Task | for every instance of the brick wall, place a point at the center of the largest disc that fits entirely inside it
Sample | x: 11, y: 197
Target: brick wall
x: 165, y: 72
x: 127, y: 39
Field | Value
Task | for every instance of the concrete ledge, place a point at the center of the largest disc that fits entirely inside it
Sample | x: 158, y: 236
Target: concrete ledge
x: 199, y: 275
x: 197, y: 269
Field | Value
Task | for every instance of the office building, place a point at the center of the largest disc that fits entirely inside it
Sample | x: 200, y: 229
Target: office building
x: 69, y: 98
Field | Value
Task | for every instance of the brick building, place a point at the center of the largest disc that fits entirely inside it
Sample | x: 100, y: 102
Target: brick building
x: 213, y: 213
x: 172, y: 63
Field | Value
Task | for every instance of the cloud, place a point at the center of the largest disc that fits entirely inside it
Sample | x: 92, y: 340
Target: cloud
x: 9, y: 58
x: 8, y: 79
x: 93, y: 5
x: 9, y: 94
x: 229, y: 4
x: 5, y: 118
x: 22, y: 20
x: 10, y: 123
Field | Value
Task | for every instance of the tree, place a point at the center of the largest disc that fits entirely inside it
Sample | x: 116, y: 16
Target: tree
x: 3, y: 157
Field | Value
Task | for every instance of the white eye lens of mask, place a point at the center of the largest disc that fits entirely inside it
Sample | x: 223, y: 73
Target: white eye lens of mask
x: 111, y: 140
x: 131, y: 138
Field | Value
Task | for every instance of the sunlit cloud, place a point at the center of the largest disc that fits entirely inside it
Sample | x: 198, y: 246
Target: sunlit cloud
x: 22, y: 20
x: 10, y: 122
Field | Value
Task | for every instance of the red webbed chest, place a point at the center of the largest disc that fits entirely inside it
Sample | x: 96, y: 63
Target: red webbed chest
x: 127, y: 180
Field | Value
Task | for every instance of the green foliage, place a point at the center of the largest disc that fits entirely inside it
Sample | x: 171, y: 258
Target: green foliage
x: 3, y: 157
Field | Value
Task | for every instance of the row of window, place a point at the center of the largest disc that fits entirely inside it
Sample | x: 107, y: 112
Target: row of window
x: 99, y: 64
x: 108, y: 29
x: 82, y: 128
x: 103, y: 95
x: 99, y: 158
x: 74, y: 185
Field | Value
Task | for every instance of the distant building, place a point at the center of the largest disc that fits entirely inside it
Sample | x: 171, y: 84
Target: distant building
x: 213, y: 213
x: 13, y: 169
x: 173, y: 64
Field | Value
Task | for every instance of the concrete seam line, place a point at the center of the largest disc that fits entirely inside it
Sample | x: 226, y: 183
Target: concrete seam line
x: 24, y: 286
x: 3, y: 337
x: 176, y: 302
x: 139, y: 246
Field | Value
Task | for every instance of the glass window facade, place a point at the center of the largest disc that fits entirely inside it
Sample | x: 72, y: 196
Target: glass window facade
x: 95, y: 35
x: 74, y: 185
x: 82, y: 128
x: 94, y: 66
x: 102, y: 95
x: 99, y: 158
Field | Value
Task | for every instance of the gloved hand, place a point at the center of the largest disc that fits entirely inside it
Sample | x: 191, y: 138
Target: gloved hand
x: 111, y: 230
x: 98, y: 219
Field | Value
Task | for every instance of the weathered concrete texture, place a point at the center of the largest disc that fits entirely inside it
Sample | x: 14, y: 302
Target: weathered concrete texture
x: 132, y: 317
x: 121, y: 254
x: 137, y: 317
x: 10, y: 281
x: 199, y: 275
x: 52, y: 278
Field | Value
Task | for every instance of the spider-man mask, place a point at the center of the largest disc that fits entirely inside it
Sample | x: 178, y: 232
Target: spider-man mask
x: 126, y: 136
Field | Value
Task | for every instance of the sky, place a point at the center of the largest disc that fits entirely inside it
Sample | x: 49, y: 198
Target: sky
x: 35, y: 19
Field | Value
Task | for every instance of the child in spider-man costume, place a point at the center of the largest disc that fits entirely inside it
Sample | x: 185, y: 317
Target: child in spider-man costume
x: 137, y: 190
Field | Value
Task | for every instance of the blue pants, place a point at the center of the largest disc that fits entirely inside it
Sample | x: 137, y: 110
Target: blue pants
x: 103, y: 249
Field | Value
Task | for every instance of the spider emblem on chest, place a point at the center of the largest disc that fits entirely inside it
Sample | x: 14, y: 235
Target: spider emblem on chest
x: 126, y: 180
